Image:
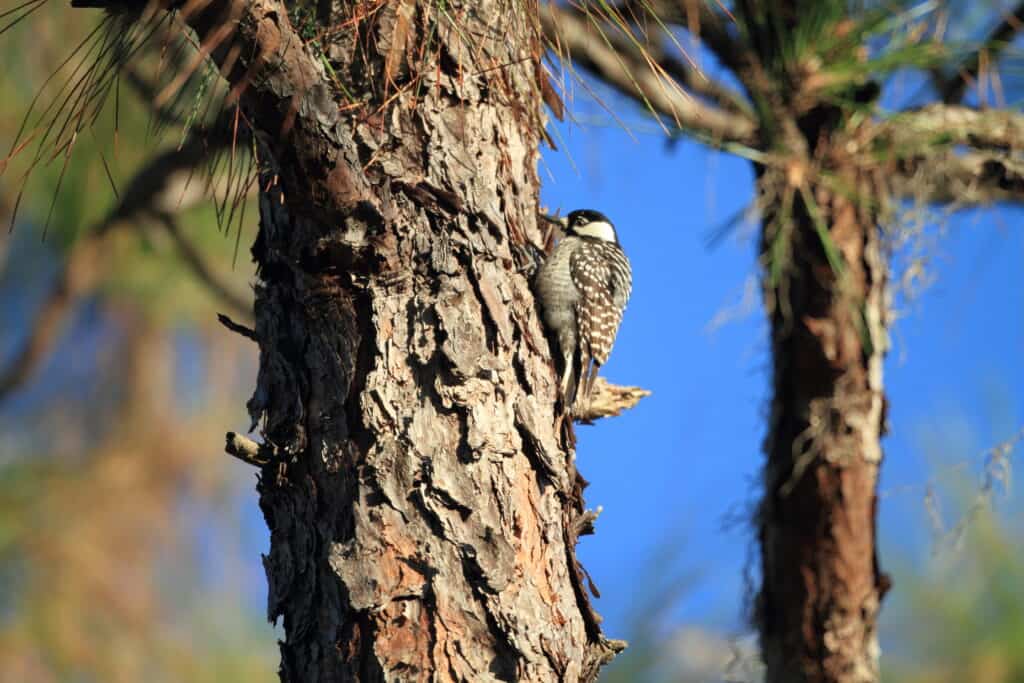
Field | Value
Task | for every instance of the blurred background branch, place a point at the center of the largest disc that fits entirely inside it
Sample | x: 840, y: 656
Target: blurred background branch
x: 160, y: 189
x: 953, y: 87
x: 647, y: 75
x: 960, y: 180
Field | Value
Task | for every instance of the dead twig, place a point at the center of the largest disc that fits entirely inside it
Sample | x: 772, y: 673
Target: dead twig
x: 608, y: 400
x: 248, y: 451
x: 246, y: 332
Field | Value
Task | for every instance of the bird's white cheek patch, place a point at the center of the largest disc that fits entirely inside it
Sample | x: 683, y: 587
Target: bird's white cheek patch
x: 599, y: 229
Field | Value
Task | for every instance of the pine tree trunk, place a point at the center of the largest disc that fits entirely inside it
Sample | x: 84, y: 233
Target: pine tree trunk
x: 824, y: 285
x: 826, y: 297
x: 423, y: 505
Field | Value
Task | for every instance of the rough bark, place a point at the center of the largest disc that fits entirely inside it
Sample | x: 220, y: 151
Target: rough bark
x: 422, y: 499
x: 822, y: 587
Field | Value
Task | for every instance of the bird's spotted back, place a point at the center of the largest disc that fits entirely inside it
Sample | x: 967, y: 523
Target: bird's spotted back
x: 602, y: 276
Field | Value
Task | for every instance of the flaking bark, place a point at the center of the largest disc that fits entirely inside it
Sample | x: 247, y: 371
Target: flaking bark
x: 423, y: 503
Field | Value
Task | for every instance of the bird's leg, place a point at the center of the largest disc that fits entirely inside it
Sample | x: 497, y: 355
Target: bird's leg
x: 564, y: 386
x: 530, y: 256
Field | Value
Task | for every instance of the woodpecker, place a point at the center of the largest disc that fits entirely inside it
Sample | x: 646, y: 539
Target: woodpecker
x: 583, y: 287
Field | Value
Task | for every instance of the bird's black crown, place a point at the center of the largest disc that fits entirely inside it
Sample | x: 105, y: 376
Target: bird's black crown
x: 590, y: 224
x: 584, y: 216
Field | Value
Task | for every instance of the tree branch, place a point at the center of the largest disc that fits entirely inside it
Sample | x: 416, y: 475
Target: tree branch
x: 699, y: 18
x: 932, y: 166
x: 238, y: 329
x: 77, y: 275
x: 618, y: 62
x: 704, y: 24
x: 154, y: 188
x: 940, y: 124
x: 952, y: 89
x: 193, y: 258
x: 609, y: 400
x: 963, y: 180
x: 699, y: 83
x: 248, y: 451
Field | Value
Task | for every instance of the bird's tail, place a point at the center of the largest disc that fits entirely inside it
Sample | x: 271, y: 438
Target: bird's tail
x: 588, y: 373
x: 581, y: 379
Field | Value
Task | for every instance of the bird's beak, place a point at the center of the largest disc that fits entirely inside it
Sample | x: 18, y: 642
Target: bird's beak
x: 560, y: 221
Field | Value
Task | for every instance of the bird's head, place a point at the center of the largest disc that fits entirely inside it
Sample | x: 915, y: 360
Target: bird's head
x: 591, y: 224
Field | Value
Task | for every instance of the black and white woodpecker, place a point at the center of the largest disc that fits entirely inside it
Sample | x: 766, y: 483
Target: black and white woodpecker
x: 583, y: 287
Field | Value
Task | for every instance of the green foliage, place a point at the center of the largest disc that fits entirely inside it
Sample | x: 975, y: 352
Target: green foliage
x: 92, y: 491
x: 965, y: 616
x: 303, y: 17
x: 832, y: 254
x: 778, y: 252
x: 68, y: 193
x: 103, y: 574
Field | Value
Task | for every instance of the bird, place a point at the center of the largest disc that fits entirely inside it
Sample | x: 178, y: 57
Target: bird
x: 583, y: 287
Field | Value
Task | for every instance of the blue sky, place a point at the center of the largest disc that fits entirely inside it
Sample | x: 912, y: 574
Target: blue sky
x: 681, y: 467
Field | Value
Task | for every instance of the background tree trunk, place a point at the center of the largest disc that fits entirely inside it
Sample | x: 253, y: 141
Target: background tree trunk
x: 825, y: 293
x: 824, y: 282
x: 425, y: 509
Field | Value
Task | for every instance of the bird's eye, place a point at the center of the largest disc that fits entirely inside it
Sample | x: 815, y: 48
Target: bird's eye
x: 580, y: 220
